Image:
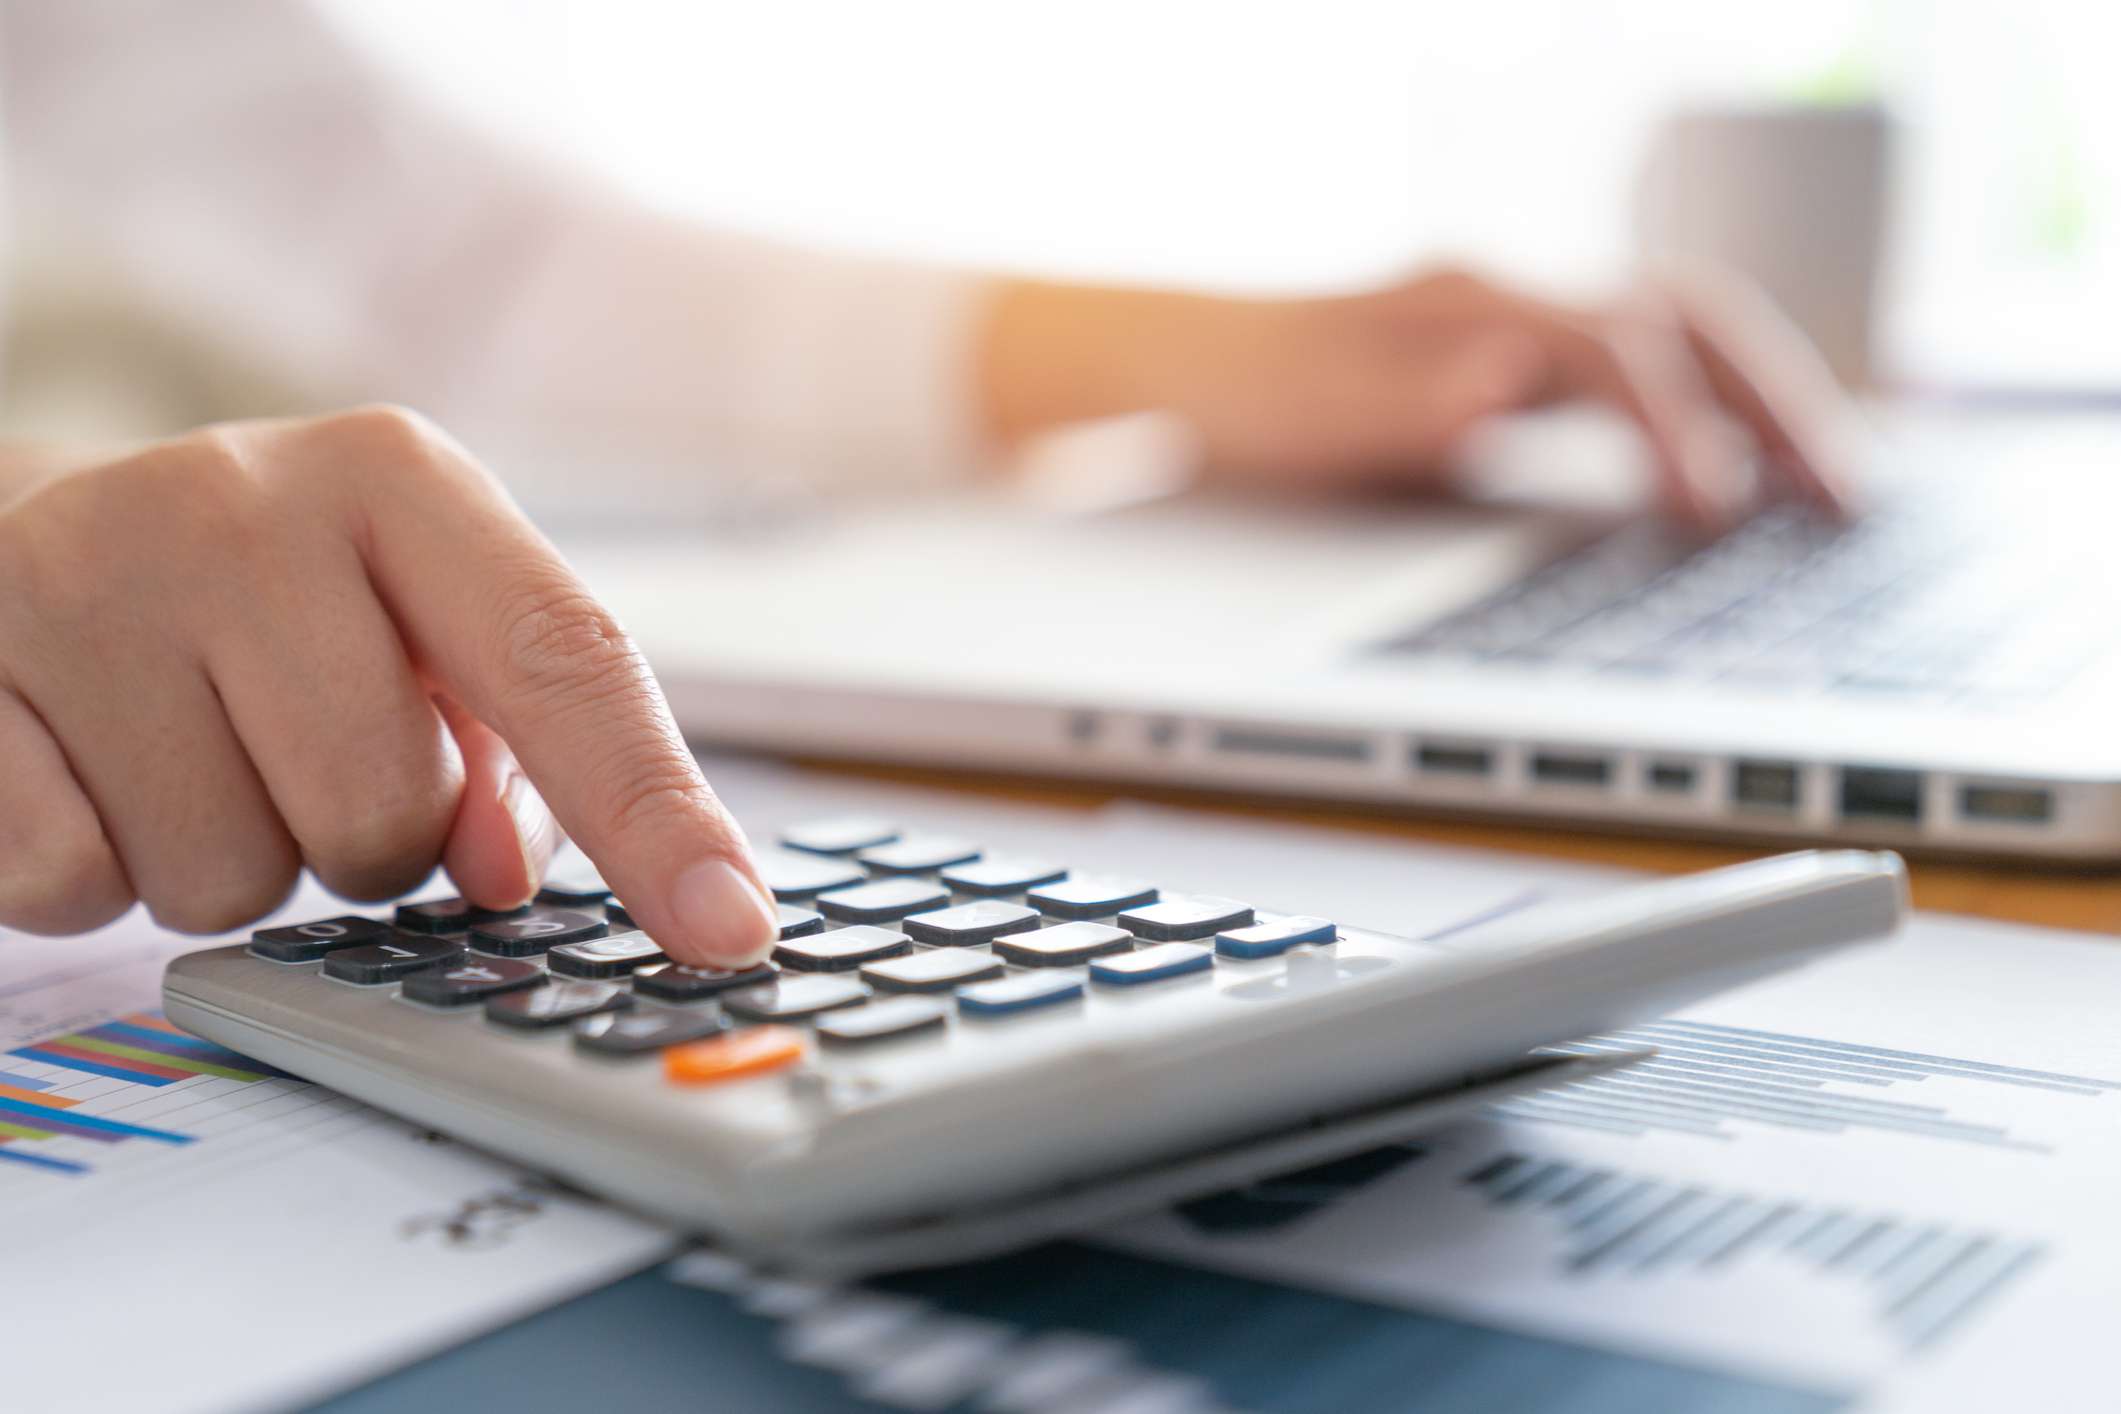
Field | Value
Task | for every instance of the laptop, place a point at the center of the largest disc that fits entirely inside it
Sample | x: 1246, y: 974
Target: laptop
x: 1938, y: 675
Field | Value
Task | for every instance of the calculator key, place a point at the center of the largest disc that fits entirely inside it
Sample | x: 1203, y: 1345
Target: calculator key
x: 572, y: 882
x: 1274, y: 937
x: 535, y: 931
x: 1026, y: 991
x: 1152, y: 964
x: 918, y: 854
x: 676, y: 982
x: 935, y: 970
x: 448, y: 915
x: 795, y: 921
x: 644, y: 1029
x: 894, y: 1016
x: 841, y: 950
x: 1185, y: 920
x: 306, y: 942
x: 884, y: 901
x: 473, y: 979
x: 790, y: 997
x: 604, y: 957
x: 842, y: 835
x: 1001, y: 878
x: 1084, y: 896
x: 970, y: 924
x: 556, y: 1005
x: 397, y: 956
x: 793, y: 876
x: 1064, y: 945
x: 733, y: 1055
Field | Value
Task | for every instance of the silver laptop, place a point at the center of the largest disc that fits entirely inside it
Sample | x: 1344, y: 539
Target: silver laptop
x: 1939, y: 674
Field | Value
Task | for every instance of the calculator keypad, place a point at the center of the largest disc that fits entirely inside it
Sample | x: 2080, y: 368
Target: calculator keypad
x: 794, y: 876
x: 676, y: 982
x: 917, y: 854
x: 1090, y: 896
x: 1185, y: 920
x: 604, y: 957
x: 306, y: 942
x: 970, y: 924
x: 841, y: 950
x: 448, y: 915
x: 842, y: 835
x: 1063, y: 945
x: 884, y: 901
x: 556, y: 1005
x: 931, y: 970
x: 644, y: 1030
x: 884, y: 1020
x: 990, y: 877
x: 535, y: 932
x: 472, y: 980
x: 798, y: 995
x: 397, y: 956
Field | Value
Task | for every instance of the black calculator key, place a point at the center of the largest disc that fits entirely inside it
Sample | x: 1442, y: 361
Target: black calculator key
x: 793, y: 876
x: 841, y: 950
x: 970, y: 924
x: 1185, y: 920
x: 1082, y: 896
x: 644, y: 1030
x: 604, y: 957
x: 676, y: 982
x: 556, y: 1005
x: 793, y: 996
x: 918, y: 854
x: 535, y: 931
x: 841, y: 835
x: 573, y: 882
x: 399, y: 955
x: 473, y: 979
x: 306, y: 942
x: 797, y: 921
x: 1063, y: 945
x: 894, y: 1016
x: 884, y: 901
x: 449, y: 915
x: 1001, y: 878
x: 932, y: 970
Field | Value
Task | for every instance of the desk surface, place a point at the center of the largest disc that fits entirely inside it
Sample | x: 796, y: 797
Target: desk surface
x: 2054, y: 898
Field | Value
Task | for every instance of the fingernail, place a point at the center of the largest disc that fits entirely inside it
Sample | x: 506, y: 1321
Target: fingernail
x: 726, y: 919
x: 537, y: 833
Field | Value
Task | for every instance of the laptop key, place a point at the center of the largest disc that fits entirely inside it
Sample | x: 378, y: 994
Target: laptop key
x: 794, y: 876
x: 559, y: 1004
x: 884, y: 1020
x: 1063, y: 945
x: 644, y: 1030
x: 1087, y: 896
x: 449, y: 915
x: 604, y: 957
x: 1274, y: 937
x: 535, y: 931
x: 677, y: 982
x: 306, y: 942
x: 1026, y: 991
x: 842, y: 950
x: 970, y: 924
x: 935, y: 970
x: 841, y: 835
x: 1001, y: 878
x: 918, y: 854
x: 397, y: 956
x: 883, y: 901
x: 1155, y: 963
x: 791, y: 997
x: 472, y: 980
x: 1185, y: 920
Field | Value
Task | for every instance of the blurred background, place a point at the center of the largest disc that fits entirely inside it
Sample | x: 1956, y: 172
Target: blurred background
x: 1284, y: 148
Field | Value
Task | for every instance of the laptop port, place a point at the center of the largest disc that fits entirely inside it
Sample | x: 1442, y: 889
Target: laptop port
x: 2016, y: 805
x: 1564, y: 769
x: 1765, y: 785
x: 1671, y: 777
x: 1273, y: 741
x: 1455, y: 760
x: 1875, y: 793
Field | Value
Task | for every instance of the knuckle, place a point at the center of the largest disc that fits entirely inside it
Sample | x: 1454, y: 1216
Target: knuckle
x: 561, y: 647
x: 220, y: 906
x: 654, y: 791
x: 383, y: 847
x: 67, y: 881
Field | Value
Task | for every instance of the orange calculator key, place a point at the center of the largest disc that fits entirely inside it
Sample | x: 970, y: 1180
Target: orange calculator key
x: 740, y: 1053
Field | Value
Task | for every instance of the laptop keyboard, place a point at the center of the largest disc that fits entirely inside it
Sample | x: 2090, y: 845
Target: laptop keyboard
x: 1925, y: 598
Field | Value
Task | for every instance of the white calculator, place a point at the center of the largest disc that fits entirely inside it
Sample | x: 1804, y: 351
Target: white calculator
x: 952, y: 1052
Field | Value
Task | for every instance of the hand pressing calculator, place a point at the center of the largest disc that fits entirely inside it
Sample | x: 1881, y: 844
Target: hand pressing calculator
x: 952, y: 1052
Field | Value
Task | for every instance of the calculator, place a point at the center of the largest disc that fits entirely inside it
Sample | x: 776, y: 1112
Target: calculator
x: 953, y: 1052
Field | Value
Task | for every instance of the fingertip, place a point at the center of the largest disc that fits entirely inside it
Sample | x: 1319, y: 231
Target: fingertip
x: 721, y: 916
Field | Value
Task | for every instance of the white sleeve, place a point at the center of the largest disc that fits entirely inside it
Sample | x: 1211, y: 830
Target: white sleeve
x: 244, y: 168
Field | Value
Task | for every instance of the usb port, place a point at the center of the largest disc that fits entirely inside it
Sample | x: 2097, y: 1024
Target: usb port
x: 1455, y: 760
x: 1671, y: 777
x: 2016, y: 805
x: 1875, y: 793
x: 1765, y: 785
x: 1560, y: 768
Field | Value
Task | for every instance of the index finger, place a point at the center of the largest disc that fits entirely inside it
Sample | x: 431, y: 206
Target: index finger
x: 493, y: 614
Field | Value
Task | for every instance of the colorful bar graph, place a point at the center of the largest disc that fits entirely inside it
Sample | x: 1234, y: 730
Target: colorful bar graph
x: 140, y: 1049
